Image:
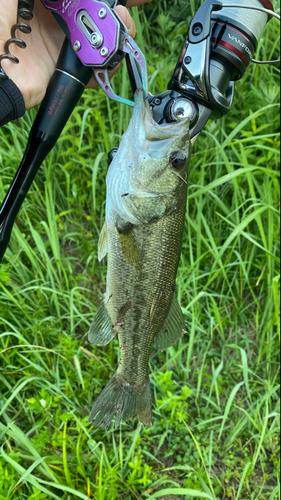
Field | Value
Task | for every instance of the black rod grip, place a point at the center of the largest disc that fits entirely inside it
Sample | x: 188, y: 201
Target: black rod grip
x: 64, y: 90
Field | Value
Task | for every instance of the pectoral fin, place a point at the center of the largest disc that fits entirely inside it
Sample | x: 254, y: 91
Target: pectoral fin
x: 103, y: 243
x: 173, y: 328
x: 129, y: 246
x: 101, y: 331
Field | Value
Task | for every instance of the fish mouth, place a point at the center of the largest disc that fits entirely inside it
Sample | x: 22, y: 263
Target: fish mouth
x: 151, y: 130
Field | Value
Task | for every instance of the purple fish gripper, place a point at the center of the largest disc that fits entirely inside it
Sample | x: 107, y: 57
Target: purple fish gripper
x: 96, y: 34
x: 129, y: 47
x: 78, y: 13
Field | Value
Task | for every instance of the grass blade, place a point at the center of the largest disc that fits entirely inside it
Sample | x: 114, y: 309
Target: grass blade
x: 181, y: 492
x: 228, y: 406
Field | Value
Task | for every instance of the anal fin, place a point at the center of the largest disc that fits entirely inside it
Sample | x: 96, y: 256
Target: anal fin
x: 101, y: 331
x: 173, y: 328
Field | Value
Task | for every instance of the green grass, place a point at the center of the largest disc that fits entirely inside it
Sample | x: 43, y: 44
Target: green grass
x: 215, y: 396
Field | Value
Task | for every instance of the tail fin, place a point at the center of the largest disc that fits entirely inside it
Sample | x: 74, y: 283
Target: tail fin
x: 121, y: 398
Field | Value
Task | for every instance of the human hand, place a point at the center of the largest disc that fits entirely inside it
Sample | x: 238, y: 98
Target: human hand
x: 38, y: 59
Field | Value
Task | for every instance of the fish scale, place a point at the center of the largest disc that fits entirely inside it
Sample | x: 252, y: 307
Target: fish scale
x: 145, y: 213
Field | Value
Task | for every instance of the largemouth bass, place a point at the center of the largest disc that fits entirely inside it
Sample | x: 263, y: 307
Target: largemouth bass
x: 145, y: 212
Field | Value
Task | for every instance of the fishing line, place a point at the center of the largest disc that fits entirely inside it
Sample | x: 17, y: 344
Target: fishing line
x: 256, y: 24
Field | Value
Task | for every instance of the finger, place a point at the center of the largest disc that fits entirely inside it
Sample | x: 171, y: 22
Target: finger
x: 93, y: 82
x: 132, y: 3
x: 127, y: 19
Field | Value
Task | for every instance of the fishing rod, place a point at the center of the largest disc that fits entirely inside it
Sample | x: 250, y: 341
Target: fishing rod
x: 219, y: 46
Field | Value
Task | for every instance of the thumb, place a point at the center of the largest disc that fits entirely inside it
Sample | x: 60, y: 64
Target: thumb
x: 127, y: 19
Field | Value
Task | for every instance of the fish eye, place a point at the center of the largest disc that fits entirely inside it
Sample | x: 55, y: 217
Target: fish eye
x: 177, y: 159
